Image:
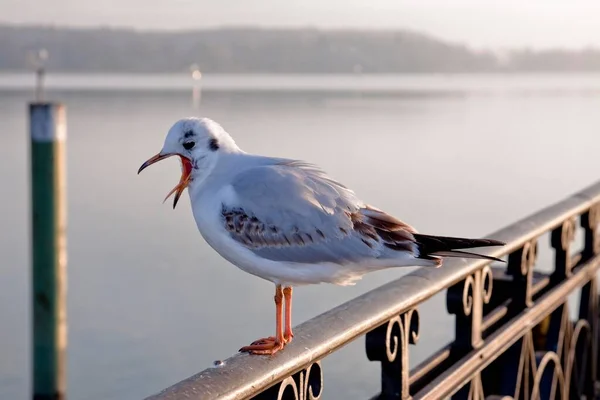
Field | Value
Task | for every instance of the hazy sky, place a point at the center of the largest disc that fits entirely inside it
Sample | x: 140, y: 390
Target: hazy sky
x: 479, y: 23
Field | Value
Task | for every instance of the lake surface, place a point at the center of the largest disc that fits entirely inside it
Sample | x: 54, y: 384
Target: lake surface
x: 150, y: 303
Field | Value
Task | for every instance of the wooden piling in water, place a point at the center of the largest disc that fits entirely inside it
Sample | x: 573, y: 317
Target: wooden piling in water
x: 48, y: 248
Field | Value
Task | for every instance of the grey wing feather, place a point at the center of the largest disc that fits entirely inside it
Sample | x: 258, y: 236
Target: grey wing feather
x: 294, y: 212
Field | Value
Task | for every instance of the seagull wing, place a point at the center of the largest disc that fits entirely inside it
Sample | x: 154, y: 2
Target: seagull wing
x: 293, y: 212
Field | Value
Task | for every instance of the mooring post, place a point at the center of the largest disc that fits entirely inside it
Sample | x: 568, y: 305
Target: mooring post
x: 48, y: 248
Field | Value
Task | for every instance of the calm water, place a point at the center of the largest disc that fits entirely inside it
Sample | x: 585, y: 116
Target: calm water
x: 150, y: 303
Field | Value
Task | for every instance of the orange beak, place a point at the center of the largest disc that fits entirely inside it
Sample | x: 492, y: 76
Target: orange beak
x: 186, y: 172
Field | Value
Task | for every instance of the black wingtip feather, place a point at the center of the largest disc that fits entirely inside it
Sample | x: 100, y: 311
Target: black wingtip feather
x: 466, y: 254
x: 449, y: 246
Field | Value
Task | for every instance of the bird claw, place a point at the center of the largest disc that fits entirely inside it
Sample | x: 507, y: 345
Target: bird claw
x: 264, y: 346
x: 263, y: 341
x: 287, y: 337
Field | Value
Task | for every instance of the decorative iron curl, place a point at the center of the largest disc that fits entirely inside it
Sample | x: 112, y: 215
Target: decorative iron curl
x: 526, y: 257
x: 479, y: 285
x: 590, y: 222
x: 520, y: 265
x: 578, y: 376
x: 393, y: 338
x: 564, y: 235
x: 558, y: 375
x: 467, y: 295
x: 388, y: 344
x: 561, y: 240
x: 397, y: 333
x: 487, y: 283
x: 466, y: 300
x: 304, y: 385
x: 400, y: 331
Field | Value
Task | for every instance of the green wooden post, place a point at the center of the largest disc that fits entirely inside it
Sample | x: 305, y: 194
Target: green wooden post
x: 49, y: 255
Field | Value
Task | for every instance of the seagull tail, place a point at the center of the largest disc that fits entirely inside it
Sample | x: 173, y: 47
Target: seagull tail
x: 441, y: 246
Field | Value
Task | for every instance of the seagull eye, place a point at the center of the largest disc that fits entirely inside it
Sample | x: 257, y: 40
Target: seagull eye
x: 188, y: 145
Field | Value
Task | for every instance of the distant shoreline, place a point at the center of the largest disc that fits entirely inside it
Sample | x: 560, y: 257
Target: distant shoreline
x: 271, y: 51
x: 421, y: 83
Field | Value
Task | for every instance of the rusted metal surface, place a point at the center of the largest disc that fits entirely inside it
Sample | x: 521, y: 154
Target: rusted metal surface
x: 514, y: 335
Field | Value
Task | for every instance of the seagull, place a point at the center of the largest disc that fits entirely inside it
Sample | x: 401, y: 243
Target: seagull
x: 290, y: 223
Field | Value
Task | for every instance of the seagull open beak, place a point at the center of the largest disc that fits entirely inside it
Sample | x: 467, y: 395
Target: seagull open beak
x: 186, y: 172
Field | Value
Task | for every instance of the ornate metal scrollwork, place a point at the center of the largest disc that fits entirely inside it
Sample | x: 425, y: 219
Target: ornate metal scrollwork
x: 532, y: 379
x: 555, y: 361
x: 520, y: 265
x: 473, y: 390
x: 590, y: 222
x: 578, y: 361
x: 466, y: 299
x: 589, y: 311
x: 304, y: 385
x: 561, y: 240
x: 388, y: 344
x: 549, y: 386
x: 523, y: 376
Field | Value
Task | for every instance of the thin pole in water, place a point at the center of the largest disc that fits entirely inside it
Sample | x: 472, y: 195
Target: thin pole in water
x: 38, y: 60
x: 39, y: 85
x: 196, y: 88
x: 48, y: 248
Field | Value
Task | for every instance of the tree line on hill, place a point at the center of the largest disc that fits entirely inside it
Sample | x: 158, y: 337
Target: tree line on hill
x: 254, y: 50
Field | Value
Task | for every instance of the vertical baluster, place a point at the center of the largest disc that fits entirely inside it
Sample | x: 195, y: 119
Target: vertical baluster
x: 466, y: 300
x: 590, y: 222
x: 388, y: 344
x: 561, y: 240
x: 516, y: 367
x: 520, y: 266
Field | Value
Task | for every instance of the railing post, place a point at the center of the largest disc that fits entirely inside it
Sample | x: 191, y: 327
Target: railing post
x: 48, y: 247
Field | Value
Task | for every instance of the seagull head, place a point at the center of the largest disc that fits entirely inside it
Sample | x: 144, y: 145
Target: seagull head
x: 198, y: 142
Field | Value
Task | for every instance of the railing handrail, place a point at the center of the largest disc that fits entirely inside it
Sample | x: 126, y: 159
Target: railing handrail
x: 243, y: 375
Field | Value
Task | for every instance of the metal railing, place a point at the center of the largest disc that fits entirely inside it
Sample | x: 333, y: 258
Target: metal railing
x: 514, y: 335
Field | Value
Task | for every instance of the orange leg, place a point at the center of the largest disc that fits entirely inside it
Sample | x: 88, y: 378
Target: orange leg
x: 288, y: 335
x: 270, y: 345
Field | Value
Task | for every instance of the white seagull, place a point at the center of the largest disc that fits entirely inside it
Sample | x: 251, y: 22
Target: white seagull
x: 288, y: 222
